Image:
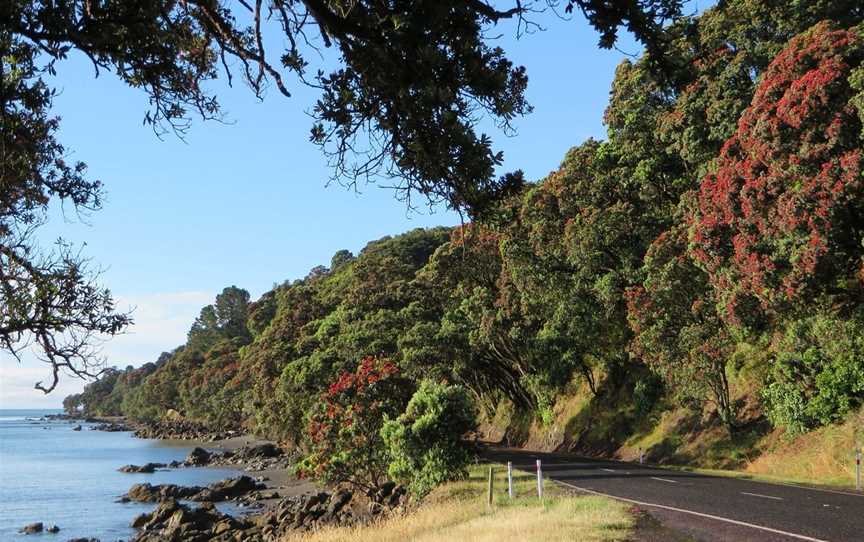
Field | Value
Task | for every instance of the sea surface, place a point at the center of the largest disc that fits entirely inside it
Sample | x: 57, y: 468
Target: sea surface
x: 58, y: 476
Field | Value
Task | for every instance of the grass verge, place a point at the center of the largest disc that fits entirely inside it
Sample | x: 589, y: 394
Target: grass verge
x: 459, y: 511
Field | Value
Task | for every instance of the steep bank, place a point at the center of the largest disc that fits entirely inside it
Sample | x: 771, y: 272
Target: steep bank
x: 611, y: 424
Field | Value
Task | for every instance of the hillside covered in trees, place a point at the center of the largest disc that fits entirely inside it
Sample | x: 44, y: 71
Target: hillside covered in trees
x: 708, y: 255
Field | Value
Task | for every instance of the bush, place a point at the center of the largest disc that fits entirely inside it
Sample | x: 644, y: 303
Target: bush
x: 344, y: 428
x: 426, y: 443
x: 818, y: 375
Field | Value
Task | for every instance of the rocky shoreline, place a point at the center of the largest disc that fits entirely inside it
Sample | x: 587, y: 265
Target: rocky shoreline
x: 275, y: 502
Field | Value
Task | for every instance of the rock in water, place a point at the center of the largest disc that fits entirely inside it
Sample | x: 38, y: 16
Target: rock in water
x: 33, y: 528
x: 144, y: 469
x: 163, y: 492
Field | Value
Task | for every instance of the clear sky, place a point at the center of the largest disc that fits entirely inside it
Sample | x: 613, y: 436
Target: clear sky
x: 246, y: 203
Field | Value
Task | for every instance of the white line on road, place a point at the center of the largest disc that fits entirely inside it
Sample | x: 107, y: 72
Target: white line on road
x: 694, y: 513
x: 608, y: 470
x: 664, y: 480
x: 763, y: 496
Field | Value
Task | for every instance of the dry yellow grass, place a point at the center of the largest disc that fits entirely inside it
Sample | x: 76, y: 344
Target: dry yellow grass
x: 824, y: 456
x: 458, y: 512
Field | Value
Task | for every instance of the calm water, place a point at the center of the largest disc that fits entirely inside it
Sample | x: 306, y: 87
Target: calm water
x: 55, y: 475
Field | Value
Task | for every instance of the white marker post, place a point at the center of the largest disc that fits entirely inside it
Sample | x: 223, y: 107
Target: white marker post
x: 489, y: 491
x: 510, y: 479
x: 641, y: 456
x: 858, y: 469
x: 539, y: 480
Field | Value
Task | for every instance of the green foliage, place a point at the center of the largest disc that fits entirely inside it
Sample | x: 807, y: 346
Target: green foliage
x: 425, y: 443
x: 818, y: 376
x: 378, y: 114
x: 646, y: 393
x: 225, y: 319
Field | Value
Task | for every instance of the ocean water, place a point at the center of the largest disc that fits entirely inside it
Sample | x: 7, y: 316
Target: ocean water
x: 58, y: 476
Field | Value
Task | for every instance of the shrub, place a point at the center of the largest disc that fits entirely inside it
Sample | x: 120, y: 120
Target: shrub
x: 818, y: 376
x: 344, y: 428
x: 426, y: 443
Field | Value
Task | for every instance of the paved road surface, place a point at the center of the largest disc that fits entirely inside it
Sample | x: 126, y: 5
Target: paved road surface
x: 705, y: 507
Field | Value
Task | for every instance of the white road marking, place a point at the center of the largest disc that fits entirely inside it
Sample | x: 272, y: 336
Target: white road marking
x: 762, y: 496
x: 807, y: 488
x: 664, y: 480
x: 694, y: 513
x: 608, y: 470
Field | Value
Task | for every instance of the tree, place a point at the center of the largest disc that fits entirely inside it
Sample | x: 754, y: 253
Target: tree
x: 48, y: 298
x: 677, y: 331
x: 403, y: 103
x: 463, y: 334
x: 776, y: 222
x: 345, y: 425
x: 225, y: 319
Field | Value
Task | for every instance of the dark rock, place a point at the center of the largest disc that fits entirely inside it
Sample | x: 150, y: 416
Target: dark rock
x: 145, y: 469
x: 264, y: 450
x: 234, y: 487
x: 176, y: 522
x: 179, y: 429
x: 224, y: 490
x: 162, y: 492
x: 83, y: 540
x: 76, y: 428
x: 385, y: 490
x: 198, y: 456
x: 139, y: 521
x: 53, y: 529
x: 396, y: 497
x: 32, y: 528
x: 111, y: 427
x: 338, y: 501
x: 314, y: 500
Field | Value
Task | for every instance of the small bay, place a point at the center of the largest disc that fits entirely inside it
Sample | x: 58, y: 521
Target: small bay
x: 53, y: 474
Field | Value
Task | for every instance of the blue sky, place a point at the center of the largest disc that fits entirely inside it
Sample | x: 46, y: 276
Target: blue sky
x: 246, y: 202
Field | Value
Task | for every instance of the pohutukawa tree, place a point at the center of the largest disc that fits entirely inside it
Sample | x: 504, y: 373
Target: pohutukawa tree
x: 676, y: 329
x: 778, y: 219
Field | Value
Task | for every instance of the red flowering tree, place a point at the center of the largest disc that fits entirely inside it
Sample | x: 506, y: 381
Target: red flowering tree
x: 345, y: 425
x: 779, y: 218
x: 676, y: 329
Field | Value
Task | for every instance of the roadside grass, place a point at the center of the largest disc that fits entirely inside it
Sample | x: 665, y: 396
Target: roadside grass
x: 459, y: 511
x: 824, y: 457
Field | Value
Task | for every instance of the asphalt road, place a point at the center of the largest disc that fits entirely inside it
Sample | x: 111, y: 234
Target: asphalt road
x: 707, y: 508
